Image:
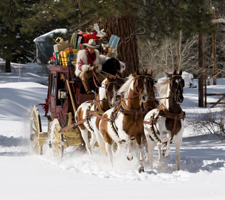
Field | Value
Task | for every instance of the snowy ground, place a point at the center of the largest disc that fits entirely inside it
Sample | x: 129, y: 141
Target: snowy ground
x: 80, y: 176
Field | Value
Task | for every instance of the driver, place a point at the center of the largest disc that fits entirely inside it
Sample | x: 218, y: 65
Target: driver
x: 88, y: 60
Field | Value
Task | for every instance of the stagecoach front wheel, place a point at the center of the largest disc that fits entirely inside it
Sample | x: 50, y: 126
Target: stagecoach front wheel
x: 35, y: 130
x: 56, y: 139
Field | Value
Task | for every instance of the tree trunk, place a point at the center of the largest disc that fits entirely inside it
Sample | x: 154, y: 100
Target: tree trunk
x: 7, y: 66
x: 124, y: 27
x: 201, y: 71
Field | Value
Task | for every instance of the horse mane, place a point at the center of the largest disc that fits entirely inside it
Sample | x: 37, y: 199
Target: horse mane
x: 162, y: 88
x: 124, y: 88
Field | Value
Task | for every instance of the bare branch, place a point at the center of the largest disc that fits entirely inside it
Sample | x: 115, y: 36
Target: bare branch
x: 218, y: 21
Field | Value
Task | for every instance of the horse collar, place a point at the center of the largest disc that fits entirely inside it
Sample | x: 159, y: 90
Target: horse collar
x: 125, y: 109
x: 98, y: 105
x: 163, y: 111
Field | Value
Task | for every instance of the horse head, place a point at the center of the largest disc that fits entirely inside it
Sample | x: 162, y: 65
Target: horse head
x: 110, y: 87
x: 111, y: 66
x: 144, y: 85
x: 176, y: 86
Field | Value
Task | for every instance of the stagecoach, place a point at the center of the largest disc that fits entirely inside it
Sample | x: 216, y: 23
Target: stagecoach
x: 65, y: 94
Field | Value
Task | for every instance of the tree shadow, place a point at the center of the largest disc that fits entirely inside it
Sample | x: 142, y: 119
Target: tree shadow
x: 11, y: 146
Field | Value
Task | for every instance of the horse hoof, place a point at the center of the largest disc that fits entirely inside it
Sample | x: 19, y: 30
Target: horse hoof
x: 165, y: 153
x: 141, y: 169
x: 130, y: 158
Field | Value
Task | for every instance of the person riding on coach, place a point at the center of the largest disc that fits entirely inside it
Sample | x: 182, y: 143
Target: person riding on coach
x: 88, y: 60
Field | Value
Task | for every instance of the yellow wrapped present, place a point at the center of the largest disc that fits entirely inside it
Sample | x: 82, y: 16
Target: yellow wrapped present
x: 64, y: 56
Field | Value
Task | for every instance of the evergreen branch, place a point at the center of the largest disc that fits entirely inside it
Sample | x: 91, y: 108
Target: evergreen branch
x: 42, y: 5
x: 141, y: 5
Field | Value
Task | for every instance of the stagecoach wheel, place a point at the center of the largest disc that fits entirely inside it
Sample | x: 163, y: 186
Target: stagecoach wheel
x: 35, y: 129
x: 56, y: 139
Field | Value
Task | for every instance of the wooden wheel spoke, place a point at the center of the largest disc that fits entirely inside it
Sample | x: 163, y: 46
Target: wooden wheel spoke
x: 35, y: 130
x: 56, y: 139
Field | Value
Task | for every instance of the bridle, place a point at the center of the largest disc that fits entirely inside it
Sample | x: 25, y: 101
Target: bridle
x: 180, y: 84
x: 112, y: 93
x: 146, y: 78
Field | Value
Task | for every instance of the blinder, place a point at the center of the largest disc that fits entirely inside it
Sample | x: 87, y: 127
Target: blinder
x: 146, y: 78
x: 177, y: 94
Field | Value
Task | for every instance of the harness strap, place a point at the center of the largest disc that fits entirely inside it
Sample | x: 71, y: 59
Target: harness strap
x: 72, y: 125
x: 99, y: 107
x: 95, y: 78
x: 165, y: 113
x: 125, y: 109
x: 98, y: 115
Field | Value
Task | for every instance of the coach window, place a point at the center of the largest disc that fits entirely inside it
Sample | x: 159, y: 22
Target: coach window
x: 52, y: 85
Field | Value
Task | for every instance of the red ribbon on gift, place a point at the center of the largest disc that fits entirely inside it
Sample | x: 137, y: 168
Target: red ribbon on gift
x: 89, y: 36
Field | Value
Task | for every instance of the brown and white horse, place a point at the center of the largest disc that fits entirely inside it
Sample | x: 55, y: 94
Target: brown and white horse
x: 164, y: 125
x: 104, y: 101
x: 151, y: 102
x: 126, y: 121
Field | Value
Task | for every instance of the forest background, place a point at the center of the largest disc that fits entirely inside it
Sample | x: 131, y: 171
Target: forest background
x: 155, y: 34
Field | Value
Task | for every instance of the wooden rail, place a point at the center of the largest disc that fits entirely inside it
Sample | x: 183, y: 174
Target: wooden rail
x: 217, y: 102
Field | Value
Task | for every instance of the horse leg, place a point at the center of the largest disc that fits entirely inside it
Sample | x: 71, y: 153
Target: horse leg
x: 139, y: 141
x: 118, y: 148
x: 107, y: 139
x: 159, y: 145
x: 150, y: 147
x: 167, y: 151
x: 84, y: 134
x: 100, y: 141
x: 126, y: 138
x: 109, y: 152
x: 129, y: 151
x: 93, y: 140
x: 177, y: 157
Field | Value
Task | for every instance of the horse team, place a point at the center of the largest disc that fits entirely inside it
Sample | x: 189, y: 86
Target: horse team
x: 137, y: 115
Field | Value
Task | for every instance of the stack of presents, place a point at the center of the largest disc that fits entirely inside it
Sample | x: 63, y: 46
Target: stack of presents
x: 65, y: 52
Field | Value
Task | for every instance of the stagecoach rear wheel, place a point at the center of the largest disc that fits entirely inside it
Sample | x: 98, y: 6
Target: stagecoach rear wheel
x: 35, y: 130
x: 56, y: 139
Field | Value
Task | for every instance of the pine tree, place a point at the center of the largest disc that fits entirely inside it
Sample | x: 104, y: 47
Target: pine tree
x: 15, y: 45
x: 22, y: 21
x: 148, y: 19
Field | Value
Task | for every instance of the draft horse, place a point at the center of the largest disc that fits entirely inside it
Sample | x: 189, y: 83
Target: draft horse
x: 86, y: 112
x: 165, y: 125
x: 125, y: 122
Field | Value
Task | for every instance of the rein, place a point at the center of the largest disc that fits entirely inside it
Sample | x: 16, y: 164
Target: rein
x: 95, y: 79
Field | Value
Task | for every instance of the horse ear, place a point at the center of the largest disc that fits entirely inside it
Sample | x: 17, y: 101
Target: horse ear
x: 180, y: 72
x: 175, y: 72
x: 168, y: 75
x: 150, y: 73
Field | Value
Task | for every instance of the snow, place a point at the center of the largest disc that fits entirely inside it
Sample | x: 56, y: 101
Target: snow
x: 80, y: 176
x: 50, y: 34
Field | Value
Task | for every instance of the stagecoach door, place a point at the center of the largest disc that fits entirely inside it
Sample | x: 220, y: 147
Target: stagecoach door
x: 52, y: 84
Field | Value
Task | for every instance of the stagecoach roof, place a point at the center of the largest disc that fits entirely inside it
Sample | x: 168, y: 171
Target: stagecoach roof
x: 50, y: 34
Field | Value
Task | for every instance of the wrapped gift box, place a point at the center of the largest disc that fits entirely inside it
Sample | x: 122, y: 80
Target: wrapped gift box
x: 61, y: 45
x: 72, y: 59
x: 79, y: 40
x: 64, y: 56
x: 57, y: 58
